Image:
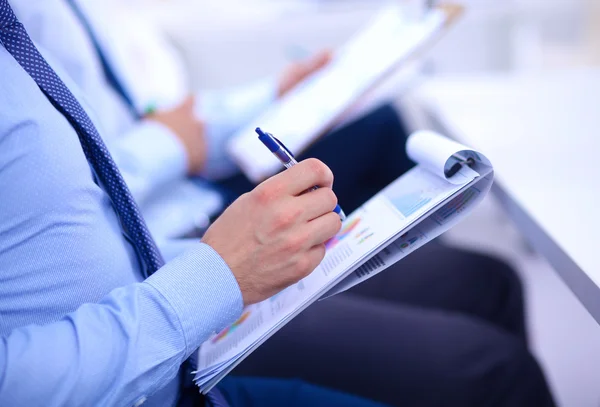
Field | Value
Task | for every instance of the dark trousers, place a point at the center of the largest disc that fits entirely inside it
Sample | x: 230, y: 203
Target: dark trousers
x: 263, y: 392
x: 444, y: 327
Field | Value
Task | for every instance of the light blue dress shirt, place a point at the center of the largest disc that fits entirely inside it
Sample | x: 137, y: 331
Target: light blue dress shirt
x: 151, y: 158
x: 78, y: 325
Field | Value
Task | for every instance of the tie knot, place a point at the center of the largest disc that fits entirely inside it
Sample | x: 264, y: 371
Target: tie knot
x: 7, y: 15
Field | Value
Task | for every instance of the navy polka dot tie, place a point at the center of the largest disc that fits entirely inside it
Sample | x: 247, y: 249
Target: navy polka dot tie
x: 17, y: 42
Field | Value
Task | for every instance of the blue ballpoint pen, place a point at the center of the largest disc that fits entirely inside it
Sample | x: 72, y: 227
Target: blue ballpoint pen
x: 287, y: 158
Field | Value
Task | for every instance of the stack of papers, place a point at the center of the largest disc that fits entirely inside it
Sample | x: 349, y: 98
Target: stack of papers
x: 413, y: 210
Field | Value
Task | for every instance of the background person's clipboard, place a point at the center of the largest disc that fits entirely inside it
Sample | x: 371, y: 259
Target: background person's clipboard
x: 392, y: 39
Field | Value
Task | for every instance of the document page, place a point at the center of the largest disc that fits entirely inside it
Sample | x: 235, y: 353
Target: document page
x: 437, y: 154
x: 317, y: 103
x: 366, y: 230
x: 423, y: 231
x: 362, y: 233
x: 408, y: 213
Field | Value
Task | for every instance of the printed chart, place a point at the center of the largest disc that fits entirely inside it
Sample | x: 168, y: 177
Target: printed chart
x: 346, y: 231
x: 409, y: 203
x: 456, y: 205
x: 406, y: 240
x: 225, y: 332
x: 417, y: 190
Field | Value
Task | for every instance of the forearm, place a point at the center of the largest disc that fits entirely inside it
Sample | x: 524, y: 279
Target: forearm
x: 128, y: 345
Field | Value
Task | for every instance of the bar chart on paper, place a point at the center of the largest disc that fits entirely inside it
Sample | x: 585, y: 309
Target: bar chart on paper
x: 356, y: 231
x: 410, y: 203
x: 416, y: 191
x: 456, y: 205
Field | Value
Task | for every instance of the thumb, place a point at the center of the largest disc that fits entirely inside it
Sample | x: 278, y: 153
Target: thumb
x: 188, y: 103
x: 319, y: 60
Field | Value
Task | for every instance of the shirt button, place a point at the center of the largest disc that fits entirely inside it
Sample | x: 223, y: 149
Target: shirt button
x: 141, y: 401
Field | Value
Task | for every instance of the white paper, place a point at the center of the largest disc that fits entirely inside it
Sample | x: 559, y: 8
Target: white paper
x: 408, y: 213
x: 377, y: 222
x: 321, y: 100
x: 433, y: 152
x: 422, y: 233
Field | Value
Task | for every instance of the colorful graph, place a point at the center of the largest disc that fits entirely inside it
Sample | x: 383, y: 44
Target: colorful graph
x: 344, y: 233
x: 456, y: 205
x: 410, y: 241
x: 221, y: 335
x: 410, y: 238
x: 364, y: 237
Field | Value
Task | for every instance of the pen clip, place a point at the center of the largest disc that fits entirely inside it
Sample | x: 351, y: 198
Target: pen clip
x: 282, y: 145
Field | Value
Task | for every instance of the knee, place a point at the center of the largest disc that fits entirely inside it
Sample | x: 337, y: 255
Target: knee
x: 503, y: 276
x: 487, y: 274
x: 504, y: 373
x: 484, y: 275
x: 514, y: 378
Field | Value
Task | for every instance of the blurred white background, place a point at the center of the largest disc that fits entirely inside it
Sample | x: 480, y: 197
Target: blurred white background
x: 227, y: 42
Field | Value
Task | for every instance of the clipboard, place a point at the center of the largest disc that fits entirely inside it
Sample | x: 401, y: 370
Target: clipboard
x: 257, y: 164
x: 410, y: 212
x: 453, y: 12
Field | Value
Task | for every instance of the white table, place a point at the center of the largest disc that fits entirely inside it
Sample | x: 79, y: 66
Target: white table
x: 542, y: 134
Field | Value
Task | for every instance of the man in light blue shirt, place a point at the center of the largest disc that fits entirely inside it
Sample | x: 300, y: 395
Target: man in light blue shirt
x: 137, y: 152
x: 79, y: 322
x: 416, y: 321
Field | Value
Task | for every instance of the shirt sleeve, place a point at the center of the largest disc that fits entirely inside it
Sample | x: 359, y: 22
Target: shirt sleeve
x: 125, y: 347
x: 226, y: 111
x: 149, y: 156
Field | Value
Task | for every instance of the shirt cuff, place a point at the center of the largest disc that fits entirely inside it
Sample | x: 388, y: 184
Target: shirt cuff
x: 152, y: 155
x: 203, y: 292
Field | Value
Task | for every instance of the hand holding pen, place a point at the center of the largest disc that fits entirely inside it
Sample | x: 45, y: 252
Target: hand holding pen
x: 279, y: 231
x: 286, y: 157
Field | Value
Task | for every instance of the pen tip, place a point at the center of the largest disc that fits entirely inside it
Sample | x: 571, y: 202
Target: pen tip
x: 259, y: 131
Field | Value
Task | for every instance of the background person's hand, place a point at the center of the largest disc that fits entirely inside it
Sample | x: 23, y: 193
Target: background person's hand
x: 274, y: 236
x: 298, y: 71
x: 189, y: 130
